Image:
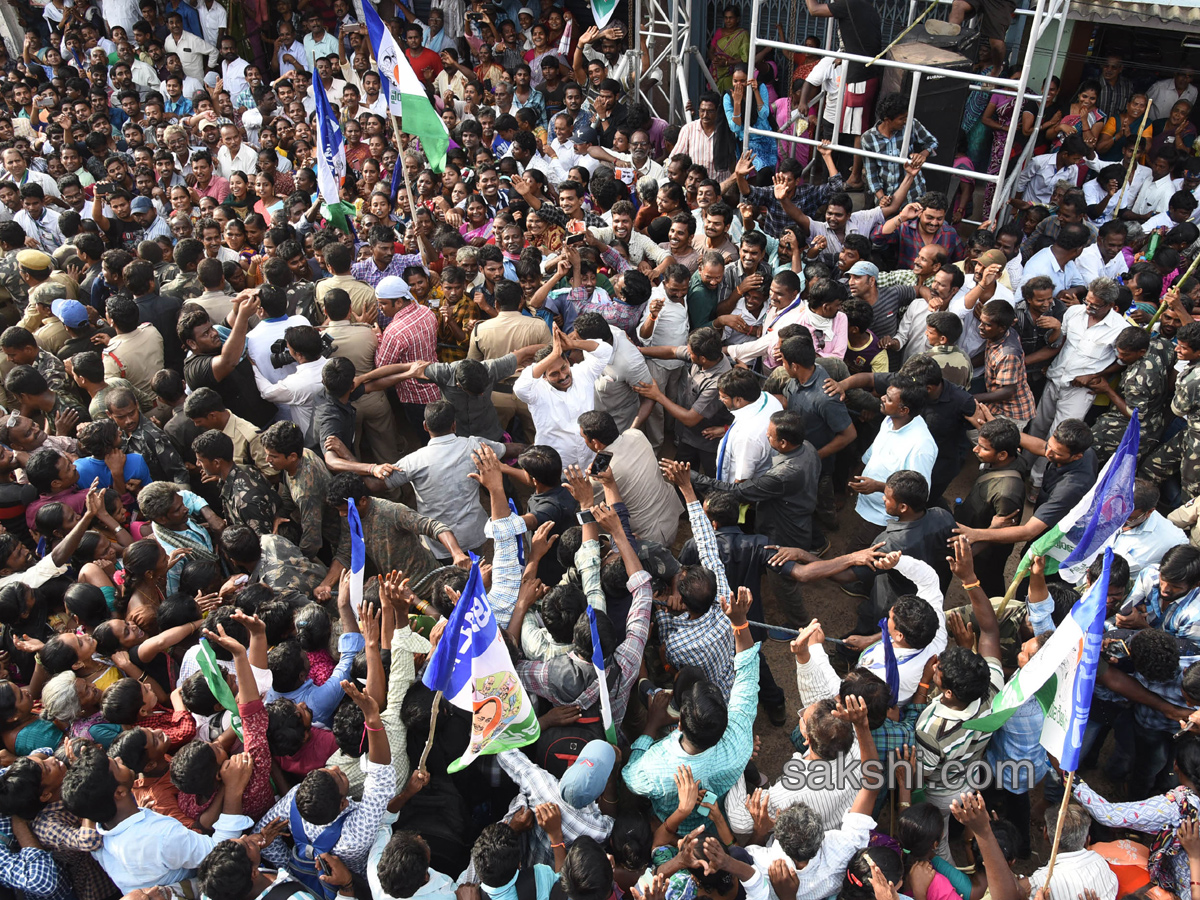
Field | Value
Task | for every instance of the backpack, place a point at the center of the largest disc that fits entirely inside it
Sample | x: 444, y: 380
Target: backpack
x: 303, y: 861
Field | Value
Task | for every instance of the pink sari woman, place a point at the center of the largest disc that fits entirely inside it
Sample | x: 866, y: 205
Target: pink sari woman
x: 477, y: 229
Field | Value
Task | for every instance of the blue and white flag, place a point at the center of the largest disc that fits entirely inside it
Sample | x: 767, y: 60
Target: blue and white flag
x: 472, y: 669
x: 606, y: 715
x: 1062, y: 676
x: 1067, y: 714
x: 1077, y: 538
x: 387, y: 57
x: 331, y: 151
x: 358, y: 554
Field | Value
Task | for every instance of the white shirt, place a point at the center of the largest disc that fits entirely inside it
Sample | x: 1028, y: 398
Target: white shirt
x: 744, y: 452
x: 1153, y: 196
x: 297, y: 51
x: 298, y: 392
x: 44, y: 230
x: 149, y: 848
x: 258, y: 346
x: 1086, y: 350
x: 823, y: 875
x: 1037, y: 180
x: 1091, y: 264
x: 1044, y: 262
x: 861, y: 222
x: 670, y: 328
x: 911, y: 662
x: 245, y: 161
x: 556, y: 413
x: 909, y: 447
x: 192, y: 51
x: 31, y: 177
x: 765, y: 345
x: 233, y: 76
x: 1093, y: 193
x: 1076, y: 872
x: 1163, y: 96
x: 212, y: 19
x: 1160, y: 220
x: 438, y: 887
x: 144, y: 77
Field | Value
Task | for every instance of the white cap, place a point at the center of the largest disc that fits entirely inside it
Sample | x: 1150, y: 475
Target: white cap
x: 392, y: 288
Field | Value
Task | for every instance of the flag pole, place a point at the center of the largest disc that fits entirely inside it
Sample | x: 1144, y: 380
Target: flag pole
x: 407, y: 188
x: 1062, y: 813
x: 1011, y: 592
x: 1162, y: 307
x: 1133, y: 158
x: 433, y: 714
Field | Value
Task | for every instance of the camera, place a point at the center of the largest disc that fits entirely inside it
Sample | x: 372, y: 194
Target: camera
x: 281, y: 356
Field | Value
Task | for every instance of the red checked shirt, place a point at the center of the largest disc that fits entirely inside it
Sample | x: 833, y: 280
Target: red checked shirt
x: 1004, y: 365
x: 411, y: 336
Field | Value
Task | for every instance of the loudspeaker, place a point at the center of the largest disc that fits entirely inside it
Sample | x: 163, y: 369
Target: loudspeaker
x: 940, y: 100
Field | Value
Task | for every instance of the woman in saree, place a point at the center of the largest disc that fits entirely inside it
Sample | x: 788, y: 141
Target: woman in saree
x: 1082, y: 117
x: 730, y: 44
x: 477, y: 229
x: 1174, y: 131
x: 999, y: 118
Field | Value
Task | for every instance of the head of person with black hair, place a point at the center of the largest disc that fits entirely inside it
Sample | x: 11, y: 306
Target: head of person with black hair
x: 1069, y: 442
x: 905, y: 399
x: 906, y: 495
x: 999, y: 443
x: 738, y: 388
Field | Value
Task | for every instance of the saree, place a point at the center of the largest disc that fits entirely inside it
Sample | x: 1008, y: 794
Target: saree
x: 727, y: 49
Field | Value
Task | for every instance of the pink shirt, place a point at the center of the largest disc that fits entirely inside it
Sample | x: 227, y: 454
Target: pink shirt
x: 218, y: 189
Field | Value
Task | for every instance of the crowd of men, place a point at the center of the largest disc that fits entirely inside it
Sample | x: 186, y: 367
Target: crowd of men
x: 643, y: 383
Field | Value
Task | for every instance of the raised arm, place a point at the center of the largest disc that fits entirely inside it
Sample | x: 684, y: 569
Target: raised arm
x: 962, y: 564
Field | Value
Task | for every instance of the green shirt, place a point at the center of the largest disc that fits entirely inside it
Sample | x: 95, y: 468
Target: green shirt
x: 701, y: 303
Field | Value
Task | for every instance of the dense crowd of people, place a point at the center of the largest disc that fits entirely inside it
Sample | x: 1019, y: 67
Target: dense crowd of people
x: 640, y: 382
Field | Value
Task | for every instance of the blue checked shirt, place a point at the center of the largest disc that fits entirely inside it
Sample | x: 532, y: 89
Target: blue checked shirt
x: 651, y: 769
x: 506, y: 566
x: 539, y: 786
x: 535, y: 101
x: 706, y: 642
x: 1180, y: 618
x: 886, y: 176
x: 369, y: 273
x: 809, y: 197
x: 31, y: 871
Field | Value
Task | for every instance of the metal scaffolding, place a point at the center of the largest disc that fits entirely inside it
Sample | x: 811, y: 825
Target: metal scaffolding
x: 1043, y: 15
x: 666, y: 28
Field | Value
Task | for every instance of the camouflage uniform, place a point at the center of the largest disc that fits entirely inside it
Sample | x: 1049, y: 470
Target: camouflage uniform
x: 956, y: 367
x: 308, y: 490
x: 185, y: 286
x: 55, y: 373
x: 162, y: 458
x: 288, y: 570
x: 249, y: 500
x: 14, y: 292
x: 392, y: 532
x: 165, y: 272
x: 1181, y: 454
x: 1144, y: 388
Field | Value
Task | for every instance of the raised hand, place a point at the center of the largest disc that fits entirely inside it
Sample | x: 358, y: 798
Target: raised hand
x: 688, y: 790
x: 365, y: 702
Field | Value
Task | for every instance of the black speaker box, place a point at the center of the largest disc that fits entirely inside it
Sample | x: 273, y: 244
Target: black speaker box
x: 940, y: 99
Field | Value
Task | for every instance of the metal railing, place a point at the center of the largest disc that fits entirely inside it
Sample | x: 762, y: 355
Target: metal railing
x: 1043, y: 14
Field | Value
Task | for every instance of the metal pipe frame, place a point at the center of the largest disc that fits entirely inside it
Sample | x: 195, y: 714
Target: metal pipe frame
x: 1043, y: 14
x: 668, y: 22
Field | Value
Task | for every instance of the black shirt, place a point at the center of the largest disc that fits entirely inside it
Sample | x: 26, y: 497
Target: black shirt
x: 557, y: 506
x: 861, y: 31
x: 1063, y: 486
x: 825, y: 417
x: 163, y: 313
x: 238, y: 389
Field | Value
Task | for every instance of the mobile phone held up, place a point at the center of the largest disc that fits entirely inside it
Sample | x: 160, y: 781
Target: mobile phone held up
x: 600, y: 463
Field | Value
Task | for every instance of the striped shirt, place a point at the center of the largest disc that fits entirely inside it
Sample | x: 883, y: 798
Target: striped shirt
x: 941, y: 737
x: 1075, y: 874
